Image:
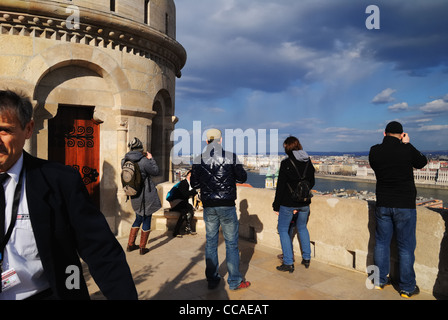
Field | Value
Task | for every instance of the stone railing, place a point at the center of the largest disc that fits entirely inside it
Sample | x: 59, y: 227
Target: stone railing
x: 342, y: 232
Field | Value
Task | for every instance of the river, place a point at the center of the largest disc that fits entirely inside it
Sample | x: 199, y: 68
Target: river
x: 258, y: 181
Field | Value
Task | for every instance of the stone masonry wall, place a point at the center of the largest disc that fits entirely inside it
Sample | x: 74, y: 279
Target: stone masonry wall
x: 342, y: 232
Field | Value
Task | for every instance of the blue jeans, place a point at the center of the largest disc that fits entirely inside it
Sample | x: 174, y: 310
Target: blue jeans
x: 145, y: 222
x: 403, y: 223
x: 285, y: 228
x: 226, y: 217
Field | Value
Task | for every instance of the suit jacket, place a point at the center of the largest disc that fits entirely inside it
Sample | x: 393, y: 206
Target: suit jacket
x: 67, y: 225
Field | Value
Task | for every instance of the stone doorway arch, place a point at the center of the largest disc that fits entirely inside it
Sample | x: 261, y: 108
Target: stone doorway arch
x: 160, y: 134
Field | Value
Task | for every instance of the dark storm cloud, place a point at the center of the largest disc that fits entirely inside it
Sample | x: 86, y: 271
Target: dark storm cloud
x: 266, y: 45
x: 413, y: 35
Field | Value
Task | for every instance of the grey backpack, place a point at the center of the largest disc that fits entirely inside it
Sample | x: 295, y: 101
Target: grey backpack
x: 131, y: 178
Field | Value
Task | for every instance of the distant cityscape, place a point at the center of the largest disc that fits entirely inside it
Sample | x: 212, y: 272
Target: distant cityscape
x: 349, y: 167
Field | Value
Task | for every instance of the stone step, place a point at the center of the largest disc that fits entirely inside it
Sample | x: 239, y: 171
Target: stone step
x: 165, y: 220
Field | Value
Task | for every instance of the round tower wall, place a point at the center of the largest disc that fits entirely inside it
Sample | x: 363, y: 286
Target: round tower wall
x: 111, y: 62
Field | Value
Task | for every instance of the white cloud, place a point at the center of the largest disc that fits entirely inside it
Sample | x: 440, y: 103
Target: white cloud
x: 384, y: 97
x: 399, y: 107
x: 294, y: 53
x: 436, y: 127
x: 435, y: 106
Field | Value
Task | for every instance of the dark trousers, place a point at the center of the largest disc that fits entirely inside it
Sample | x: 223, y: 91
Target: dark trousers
x: 186, y: 214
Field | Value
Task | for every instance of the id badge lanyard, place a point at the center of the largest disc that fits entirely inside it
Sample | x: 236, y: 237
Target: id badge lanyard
x: 15, y: 209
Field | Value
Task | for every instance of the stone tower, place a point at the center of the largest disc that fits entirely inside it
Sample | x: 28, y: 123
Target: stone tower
x: 99, y: 72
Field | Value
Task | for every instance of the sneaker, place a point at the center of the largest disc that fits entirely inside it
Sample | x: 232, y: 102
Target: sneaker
x: 381, y: 286
x: 286, y: 267
x: 405, y: 294
x: 243, y: 285
x: 190, y: 232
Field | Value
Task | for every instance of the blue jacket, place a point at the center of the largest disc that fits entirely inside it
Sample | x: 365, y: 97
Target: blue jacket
x: 216, y: 172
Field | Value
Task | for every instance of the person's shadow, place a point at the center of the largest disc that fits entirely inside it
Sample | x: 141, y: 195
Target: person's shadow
x: 440, y: 289
x: 250, y: 226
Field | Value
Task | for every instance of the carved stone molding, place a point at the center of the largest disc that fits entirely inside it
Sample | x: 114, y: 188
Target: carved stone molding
x: 143, y: 41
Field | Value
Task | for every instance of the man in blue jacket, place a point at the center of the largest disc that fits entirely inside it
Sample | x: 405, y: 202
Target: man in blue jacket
x: 393, y: 162
x: 216, y: 173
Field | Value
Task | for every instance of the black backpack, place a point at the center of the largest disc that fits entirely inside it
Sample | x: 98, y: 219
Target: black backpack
x: 302, y: 192
x: 131, y: 178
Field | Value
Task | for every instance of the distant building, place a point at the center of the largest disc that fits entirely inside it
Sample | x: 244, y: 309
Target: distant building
x: 432, y: 203
x: 365, y: 171
x: 271, y: 180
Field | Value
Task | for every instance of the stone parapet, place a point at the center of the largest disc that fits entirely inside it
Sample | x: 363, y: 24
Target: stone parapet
x: 342, y: 232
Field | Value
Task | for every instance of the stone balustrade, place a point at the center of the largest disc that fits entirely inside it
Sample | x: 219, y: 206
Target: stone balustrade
x: 342, y: 232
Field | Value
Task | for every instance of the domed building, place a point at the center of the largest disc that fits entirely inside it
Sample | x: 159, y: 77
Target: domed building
x: 99, y: 73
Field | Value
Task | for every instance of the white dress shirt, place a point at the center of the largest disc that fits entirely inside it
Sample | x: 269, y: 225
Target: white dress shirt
x: 21, y: 251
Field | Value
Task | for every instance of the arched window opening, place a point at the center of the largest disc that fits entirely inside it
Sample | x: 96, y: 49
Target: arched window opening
x: 147, y: 12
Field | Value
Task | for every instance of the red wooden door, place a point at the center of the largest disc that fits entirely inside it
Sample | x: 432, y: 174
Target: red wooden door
x: 73, y: 139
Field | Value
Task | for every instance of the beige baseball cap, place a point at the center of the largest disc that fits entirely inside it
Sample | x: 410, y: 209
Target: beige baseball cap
x: 213, y: 134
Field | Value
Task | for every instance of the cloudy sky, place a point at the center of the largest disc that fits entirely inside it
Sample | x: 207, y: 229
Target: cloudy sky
x: 311, y: 68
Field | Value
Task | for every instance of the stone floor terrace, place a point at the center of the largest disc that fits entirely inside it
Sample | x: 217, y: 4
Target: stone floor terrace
x: 342, y: 239
x: 174, y: 270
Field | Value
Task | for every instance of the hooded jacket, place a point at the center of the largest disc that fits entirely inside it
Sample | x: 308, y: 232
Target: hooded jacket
x: 216, y: 172
x: 148, y: 201
x: 288, y: 174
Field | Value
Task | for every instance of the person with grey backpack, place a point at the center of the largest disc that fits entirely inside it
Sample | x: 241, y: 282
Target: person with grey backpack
x: 137, y: 168
x: 292, y: 202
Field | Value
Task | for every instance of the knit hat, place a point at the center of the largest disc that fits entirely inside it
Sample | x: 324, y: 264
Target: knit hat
x: 213, y: 134
x: 135, y: 144
x: 394, y: 127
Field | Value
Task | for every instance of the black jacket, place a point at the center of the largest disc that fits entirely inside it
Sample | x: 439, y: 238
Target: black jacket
x: 67, y: 225
x: 394, y: 163
x: 184, y: 192
x: 216, y: 173
x: 288, y: 174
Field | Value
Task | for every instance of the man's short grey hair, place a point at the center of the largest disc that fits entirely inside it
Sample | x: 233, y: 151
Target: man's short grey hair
x: 18, y: 103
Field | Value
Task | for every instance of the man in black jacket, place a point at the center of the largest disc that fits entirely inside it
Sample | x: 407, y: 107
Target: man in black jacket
x: 393, y: 162
x: 216, y: 173
x: 50, y: 222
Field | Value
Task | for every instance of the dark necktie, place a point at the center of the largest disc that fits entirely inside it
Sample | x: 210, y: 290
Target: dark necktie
x: 3, y: 177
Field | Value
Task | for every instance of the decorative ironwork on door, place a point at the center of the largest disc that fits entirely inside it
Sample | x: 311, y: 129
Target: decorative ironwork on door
x: 73, y: 139
x: 89, y: 175
x: 80, y: 136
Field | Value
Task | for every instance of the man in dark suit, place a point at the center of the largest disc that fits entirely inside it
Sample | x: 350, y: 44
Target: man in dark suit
x: 47, y: 221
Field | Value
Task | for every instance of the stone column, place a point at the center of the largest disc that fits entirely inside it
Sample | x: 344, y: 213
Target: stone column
x: 122, y: 133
